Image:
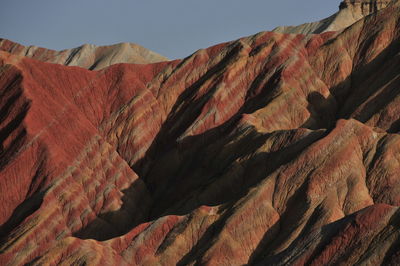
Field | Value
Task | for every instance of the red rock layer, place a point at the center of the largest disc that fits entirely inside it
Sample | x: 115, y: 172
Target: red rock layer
x: 272, y: 149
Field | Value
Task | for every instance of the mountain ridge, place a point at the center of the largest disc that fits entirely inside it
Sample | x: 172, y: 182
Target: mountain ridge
x: 350, y: 11
x: 88, y: 55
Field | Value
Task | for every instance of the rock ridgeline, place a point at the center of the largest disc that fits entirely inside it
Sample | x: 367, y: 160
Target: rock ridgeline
x: 364, y: 7
x: 350, y: 11
x: 88, y: 56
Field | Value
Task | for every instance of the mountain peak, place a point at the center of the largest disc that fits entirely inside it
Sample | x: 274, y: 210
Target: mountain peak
x: 87, y: 55
x: 350, y: 11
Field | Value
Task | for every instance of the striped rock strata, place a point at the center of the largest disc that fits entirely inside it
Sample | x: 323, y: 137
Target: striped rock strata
x: 273, y: 149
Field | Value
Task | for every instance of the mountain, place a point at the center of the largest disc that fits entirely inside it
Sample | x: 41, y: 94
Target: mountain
x: 350, y: 11
x: 274, y: 149
x: 88, y: 55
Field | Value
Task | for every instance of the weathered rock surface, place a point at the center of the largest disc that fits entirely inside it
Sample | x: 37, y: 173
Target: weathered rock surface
x: 274, y: 149
x: 350, y: 11
x: 88, y: 55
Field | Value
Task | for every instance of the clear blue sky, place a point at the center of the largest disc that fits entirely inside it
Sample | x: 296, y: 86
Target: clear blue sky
x: 173, y: 28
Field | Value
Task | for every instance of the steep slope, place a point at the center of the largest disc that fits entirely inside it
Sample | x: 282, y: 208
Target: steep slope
x: 350, y: 11
x: 273, y: 149
x: 87, y: 56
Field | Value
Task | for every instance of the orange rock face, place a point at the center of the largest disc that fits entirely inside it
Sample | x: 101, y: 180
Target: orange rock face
x: 275, y: 149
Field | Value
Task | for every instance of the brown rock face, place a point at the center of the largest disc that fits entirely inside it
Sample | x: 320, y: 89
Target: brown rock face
x: 274, y: 149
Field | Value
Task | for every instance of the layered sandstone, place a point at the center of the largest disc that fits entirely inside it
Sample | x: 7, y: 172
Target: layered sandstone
x: 274, y: 149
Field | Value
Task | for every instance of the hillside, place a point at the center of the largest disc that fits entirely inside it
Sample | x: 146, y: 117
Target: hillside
x: 274, y: 149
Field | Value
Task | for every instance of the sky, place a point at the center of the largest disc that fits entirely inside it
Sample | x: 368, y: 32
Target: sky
x: 173, y: 28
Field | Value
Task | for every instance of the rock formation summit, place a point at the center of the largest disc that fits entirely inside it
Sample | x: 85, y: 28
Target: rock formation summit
x: 350, y: 11
x: 273, y: 149
x: 88, y: 55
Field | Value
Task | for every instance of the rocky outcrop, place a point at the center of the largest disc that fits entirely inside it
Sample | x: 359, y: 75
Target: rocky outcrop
x: 273, y: 149
x: 87, y: 56
x: 364, y: 7
x: 350, y: 11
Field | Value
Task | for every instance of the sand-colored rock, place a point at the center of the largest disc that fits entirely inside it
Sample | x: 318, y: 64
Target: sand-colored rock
x: 88, y: 55
x: 350, y: 11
